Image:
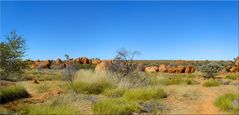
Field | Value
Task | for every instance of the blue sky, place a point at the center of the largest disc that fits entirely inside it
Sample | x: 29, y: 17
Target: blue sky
x: 159, y: 30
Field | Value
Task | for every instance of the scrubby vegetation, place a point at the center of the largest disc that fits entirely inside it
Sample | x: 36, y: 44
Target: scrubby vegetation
x: 115, y: 106
x: 42, y: 74
x: 11, y: 53
x: 117, y: 92
x: 91, y: 88
x: 11, y: 93
x: 48, y: 109
x: 211, y: 83
x: 88, y: 82
x: 232, y: 76
x: 174, y: 80
x: 210, y: 69
x: 228, y: 102
x: 145, y: 93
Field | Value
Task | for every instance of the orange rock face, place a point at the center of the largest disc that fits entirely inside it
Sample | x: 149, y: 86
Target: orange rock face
x: 189, y: 69
x: 96, y: 62
x: 58, y: 61
x: 41, y: 64
x: 234, y: 69
x: 172, y: 69
x: 103, y: 66
x: 163, y: 68
x: 152, y: 69
x: 180, y: 69
x: 82, y: 60
x: 237, y: 61
x: 85, y: 60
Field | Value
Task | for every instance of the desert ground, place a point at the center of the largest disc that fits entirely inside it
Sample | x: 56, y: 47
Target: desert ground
x: 93, y: 88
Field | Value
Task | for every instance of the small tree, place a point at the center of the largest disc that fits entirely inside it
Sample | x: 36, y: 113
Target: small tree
x: 67, y: 56
x: 210, y: 70
x: 123, y: 62
x: 11, y: 53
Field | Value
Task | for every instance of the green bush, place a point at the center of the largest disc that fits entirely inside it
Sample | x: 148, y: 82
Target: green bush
x: 115, y: 107
x: 91, y: 88
x: 211, y: 83
x: 145, y: 93
x: 232, y: 76
x: 228, y: 102
x: 11, y: 53
x: 12, y: 93
x: 48, y: 109
x: 118, y: 92
x: 210, y: 70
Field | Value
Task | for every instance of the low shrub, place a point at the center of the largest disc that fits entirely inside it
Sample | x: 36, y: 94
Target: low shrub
x: 228, y: 102
x: 232, y: 76
x: 211, y: 83
x: 118, y: 92
x: 210, y: 70
x: 48, y: 109
x: 145, y: 93
x: 115, y: 107
x: 12, y: 93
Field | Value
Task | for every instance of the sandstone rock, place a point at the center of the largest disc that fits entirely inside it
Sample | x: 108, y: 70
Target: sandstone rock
x: 152, y: 69
x: 172, y: 69
x: 180, y: 69
x: 234, y: 69
x: 162, y: 68
x: 189, y: 69
x: 96, y: 62
x: 103, y: 66
x: 58, y: 61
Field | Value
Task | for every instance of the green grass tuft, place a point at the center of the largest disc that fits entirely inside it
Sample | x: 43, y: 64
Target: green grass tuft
x: 228, y: 102
x: 211, y: 83
x: 118, y: 92
x: 91, y: 88
x: 48, y: 109
x: 115, y: 107
x: 232, y: 76
x: 146, y: 93
x: 12, y: 93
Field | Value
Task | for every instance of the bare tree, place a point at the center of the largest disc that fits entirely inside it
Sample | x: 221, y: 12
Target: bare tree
x: 123, y: 62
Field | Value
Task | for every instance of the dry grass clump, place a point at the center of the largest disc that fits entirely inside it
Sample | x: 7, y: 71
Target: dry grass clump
x: 89, y: 82
x: 42, y: 74
x: 211, y: 83
x: 43, y: 87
